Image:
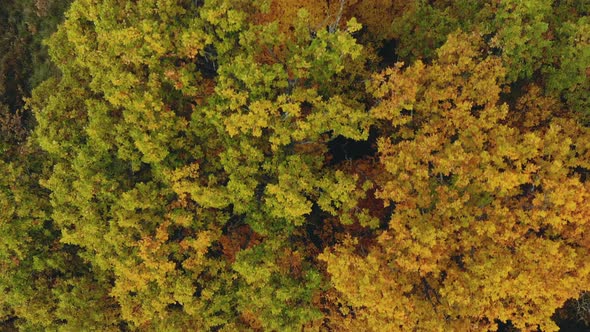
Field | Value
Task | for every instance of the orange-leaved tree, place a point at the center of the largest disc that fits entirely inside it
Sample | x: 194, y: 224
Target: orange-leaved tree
x: 490, y: 203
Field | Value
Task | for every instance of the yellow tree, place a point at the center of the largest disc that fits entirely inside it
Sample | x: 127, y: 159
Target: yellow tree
x: 490, y: 205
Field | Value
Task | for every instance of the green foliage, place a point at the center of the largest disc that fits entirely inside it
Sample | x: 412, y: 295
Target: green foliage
x: 177, y: 165
x: 279, y: 296
x: 521, y: 35
x: 423, y: 26
x: 570, y: 79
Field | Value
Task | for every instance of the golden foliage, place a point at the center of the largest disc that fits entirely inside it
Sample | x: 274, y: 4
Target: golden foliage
x: 488, y: 217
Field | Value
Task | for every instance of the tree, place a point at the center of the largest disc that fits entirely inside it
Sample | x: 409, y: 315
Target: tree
x: 250, y: 166
x: 186, y: 124
x: 489, y: 207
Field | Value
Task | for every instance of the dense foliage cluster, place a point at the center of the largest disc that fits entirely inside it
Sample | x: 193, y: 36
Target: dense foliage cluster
x: 289, y: 165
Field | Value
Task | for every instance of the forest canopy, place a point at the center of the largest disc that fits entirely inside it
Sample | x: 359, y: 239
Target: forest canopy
x: 294, y: 165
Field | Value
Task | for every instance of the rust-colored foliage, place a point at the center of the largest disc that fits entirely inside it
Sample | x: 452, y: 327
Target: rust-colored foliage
x: 238, y: 238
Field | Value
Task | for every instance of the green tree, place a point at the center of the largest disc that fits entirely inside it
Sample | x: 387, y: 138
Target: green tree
x: 188, y: 121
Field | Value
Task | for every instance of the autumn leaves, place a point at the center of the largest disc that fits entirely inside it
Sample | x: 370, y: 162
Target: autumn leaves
x: 189, y: 184
x: 475, y: 192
